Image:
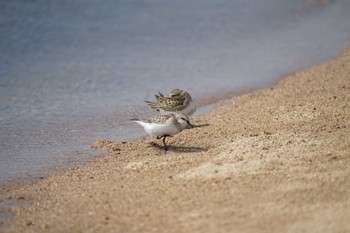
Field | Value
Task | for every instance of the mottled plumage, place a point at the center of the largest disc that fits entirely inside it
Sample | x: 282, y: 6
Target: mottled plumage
x: 178, y: 101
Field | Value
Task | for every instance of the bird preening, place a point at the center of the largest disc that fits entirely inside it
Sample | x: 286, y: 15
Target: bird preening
x: 178, y: 101
x: 174, y: 109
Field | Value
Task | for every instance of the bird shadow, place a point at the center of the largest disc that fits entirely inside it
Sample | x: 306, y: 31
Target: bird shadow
x: 185, y: 149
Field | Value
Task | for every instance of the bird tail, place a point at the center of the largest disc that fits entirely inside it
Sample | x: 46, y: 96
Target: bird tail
x: 134, y: 119
x: 151, y: 104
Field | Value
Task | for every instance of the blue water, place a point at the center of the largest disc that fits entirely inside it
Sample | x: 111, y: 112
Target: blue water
x: 72, y: 72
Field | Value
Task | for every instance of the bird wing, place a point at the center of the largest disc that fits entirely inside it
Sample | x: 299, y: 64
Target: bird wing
x: 171, y: 103
x: 159, y: 119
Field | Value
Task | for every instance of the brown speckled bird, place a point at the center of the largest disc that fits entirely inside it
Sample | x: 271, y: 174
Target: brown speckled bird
x: 178, y: 101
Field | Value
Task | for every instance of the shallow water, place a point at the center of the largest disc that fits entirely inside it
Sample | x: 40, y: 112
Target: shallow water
x: 72, y: 72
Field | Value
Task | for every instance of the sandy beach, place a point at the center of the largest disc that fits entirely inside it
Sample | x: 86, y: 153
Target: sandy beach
x: 275, y: 160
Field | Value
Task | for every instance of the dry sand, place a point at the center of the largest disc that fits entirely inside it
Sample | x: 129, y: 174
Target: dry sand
x: 276, y: 160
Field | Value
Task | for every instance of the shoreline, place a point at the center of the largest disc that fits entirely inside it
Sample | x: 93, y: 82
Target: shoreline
x: 205, y: 106
x: 273, y: 160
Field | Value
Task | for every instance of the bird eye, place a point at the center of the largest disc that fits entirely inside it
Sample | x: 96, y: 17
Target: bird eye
x: 185, y: 119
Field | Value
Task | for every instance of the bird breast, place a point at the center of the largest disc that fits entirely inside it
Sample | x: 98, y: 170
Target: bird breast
x: 170, y: 127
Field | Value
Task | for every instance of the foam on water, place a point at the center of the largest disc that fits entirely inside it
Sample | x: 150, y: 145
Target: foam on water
x: 72, y: 72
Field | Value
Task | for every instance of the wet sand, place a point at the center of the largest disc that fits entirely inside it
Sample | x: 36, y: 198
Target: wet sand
x: 275, y: 160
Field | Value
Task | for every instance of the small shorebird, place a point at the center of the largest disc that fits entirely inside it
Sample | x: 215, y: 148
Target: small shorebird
x: 164, y: 126
x: 178, y: 101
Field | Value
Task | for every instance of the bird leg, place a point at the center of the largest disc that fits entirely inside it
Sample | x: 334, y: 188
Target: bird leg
x: 164, y: 137
x: 165, y: 147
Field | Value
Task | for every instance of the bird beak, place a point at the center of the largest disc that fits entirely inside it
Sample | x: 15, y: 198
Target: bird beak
x: 189, y: 126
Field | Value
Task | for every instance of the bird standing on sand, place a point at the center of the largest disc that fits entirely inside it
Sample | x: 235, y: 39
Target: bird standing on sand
x: 178, y: 101
x: 164, y: 126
